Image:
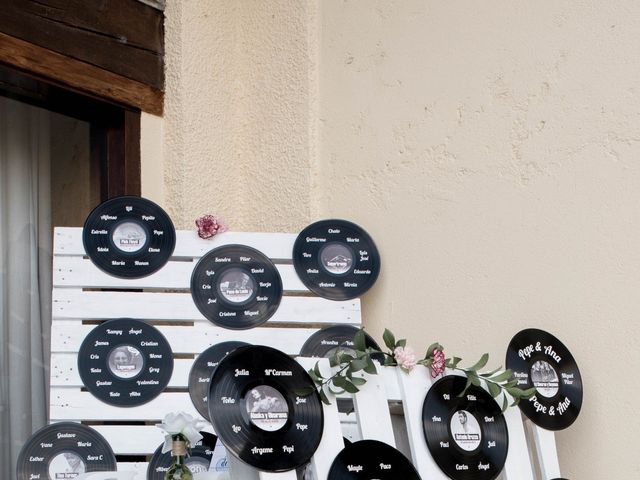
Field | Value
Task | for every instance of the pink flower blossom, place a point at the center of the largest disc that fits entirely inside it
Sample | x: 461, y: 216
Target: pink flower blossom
x: 438, y: 363
x: 405, y: 357
x: 210, y: 225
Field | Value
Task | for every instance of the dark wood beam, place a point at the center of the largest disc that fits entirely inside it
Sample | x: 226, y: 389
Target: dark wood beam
x: 79, y: 76
x: 122, y: 36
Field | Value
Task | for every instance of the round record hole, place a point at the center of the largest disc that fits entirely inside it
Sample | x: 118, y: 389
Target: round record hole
x: 236, y: 286
x: 545, y: 378
x: 66, y: 465
x: 465, y: 430
x: 267, y: 408
x: 129, y: 237
x: 336, y: 258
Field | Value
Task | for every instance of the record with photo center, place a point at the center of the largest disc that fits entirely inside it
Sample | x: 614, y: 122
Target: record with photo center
x: 336, y: 259
x: 367, y: 459
x: 466, y: 435
x: 63, y: 451
x: 538, y: 359
x: 201, y: 371
x: 262, y: 411
x: 129, y: 237
x: 236, y: 287
x: 198, y: 460
x: 125, y: 362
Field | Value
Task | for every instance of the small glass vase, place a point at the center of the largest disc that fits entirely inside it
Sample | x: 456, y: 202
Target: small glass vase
x: 178, y: 469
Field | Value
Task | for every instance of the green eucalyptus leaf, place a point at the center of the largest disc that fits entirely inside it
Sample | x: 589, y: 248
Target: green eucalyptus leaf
x: 350, y: 387
x: 323, y: 397
x: 452, y: 362
x: 480, y: 363
x: 528, y: 393
x: 492, y: 372
x: 370, y: 368
x: 494, y: 389
x: 358, y: 381
x: 389, y: 339
x: 431, y: 348
x: 501, y: 377
x: 401, y: 343
x: 359, y: 340
x: 466, y: 386
x: 357, y: 365
x: 303, y: 392
x: 339, y: 381
x: 316, y: 370
x: 515, y: 403
x: 505, y: 403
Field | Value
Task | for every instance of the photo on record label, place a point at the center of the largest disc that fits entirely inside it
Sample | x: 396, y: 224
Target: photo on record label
x: 267, y: 408
x: 465, y: 430
x: 236, y: 286
x: 129, y: 237
x: 125, y: 361
x: 545, y: 379
x: 66, y: 465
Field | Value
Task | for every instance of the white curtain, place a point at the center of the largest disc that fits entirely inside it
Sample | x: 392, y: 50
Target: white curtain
x: 25, y: 276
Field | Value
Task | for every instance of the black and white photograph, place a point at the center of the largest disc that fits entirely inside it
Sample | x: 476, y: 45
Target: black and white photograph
x: 267, y: 408
x: 125, y: 361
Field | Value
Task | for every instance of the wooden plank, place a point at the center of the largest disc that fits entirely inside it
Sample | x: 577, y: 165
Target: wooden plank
x: 68, y: 337
x: 73, y: 303
x: 372, y: 410
x: 414, y: 387
x: 81, y: 272
x: 545, y: 448
x: 80, y: 76
x: 131, y: 439
x: 332, y: 436
x: 120, y: 36
x: 72, y: 404
x: 518, y: 463
x: 277, y: 246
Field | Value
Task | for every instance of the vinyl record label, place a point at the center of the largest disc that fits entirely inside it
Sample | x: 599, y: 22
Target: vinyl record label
x: 467, y: 436
x: 63, y: 451
x: 237, y: 287
x: 336, y: 259
x: 201, y: 371
x: 125, y: 362
x: 540, y: 360
x: 257, y: 414
x: 371, y: 459
x: 198, y: 461
x: 328, y: 341
x: 129, y: 237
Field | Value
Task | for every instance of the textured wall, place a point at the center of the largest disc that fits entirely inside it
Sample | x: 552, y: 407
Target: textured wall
x: 490, y: 148
x: 237, y: 138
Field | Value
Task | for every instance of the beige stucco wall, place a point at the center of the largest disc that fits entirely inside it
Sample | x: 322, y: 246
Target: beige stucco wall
x: 490, y: 148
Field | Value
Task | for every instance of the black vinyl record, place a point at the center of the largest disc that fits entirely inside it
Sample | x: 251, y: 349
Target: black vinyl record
x: 538, y: 359
x: 63, y: 451
x: 198, y: 460
x: 467, y: 436
x: 237, y: 287
x: 129, y: 237
x: 326, y: 342
x: 371, y: 459
x: 336, y: 259
x: 125, y: 362
x: 201, y: 371
x: 256, y: 412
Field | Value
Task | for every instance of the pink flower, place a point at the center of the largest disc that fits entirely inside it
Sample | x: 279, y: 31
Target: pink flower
x: 438, y: 363
x: 210, y: 225
x: 405, y: 357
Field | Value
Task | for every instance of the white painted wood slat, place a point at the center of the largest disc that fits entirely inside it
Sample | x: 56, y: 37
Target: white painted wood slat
x: 75, y: 303
x: 72, y: 271
x: 67, y: 337
x: 68, y: 241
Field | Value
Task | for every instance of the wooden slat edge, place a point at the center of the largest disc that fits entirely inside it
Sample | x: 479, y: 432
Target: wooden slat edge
x: 79, y: 75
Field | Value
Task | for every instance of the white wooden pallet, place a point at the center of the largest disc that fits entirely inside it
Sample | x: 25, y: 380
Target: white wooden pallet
x: 163, y: 299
